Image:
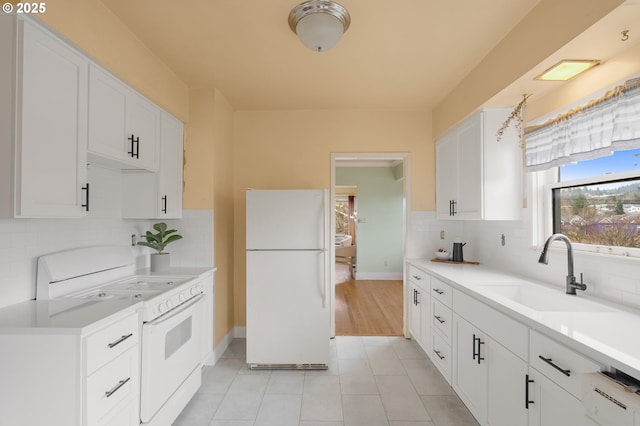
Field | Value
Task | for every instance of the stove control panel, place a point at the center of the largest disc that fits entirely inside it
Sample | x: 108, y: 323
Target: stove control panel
x: 171, y: 300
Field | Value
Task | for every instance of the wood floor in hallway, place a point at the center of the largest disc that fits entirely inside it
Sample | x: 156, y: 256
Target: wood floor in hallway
x: 369, y: 308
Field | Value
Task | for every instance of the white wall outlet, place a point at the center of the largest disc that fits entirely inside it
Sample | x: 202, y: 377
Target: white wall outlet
x: 442, y: 234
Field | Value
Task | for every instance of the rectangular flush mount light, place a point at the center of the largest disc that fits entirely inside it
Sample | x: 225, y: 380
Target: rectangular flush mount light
x: 567, y: 69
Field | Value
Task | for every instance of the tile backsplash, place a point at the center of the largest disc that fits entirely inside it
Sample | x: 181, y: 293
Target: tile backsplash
x: 23, y: 240
x: 614, y: 278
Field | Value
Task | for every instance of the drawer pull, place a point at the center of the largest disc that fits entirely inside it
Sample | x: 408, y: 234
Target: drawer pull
x: 527, y: 380
x: 120, y: 340
x: 610, y: 398
x: 438, y: 353
x: 440, y: 320
x: 437, y: 290
x: 550, y: 362
x: 417, y: 277
x: 120, y: 384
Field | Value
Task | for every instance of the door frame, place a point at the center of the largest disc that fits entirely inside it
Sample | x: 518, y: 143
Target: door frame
x: 363, y: 157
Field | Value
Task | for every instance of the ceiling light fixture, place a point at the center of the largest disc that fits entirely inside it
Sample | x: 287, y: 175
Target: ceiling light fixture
x: 567, y: 69
x: 319, y: 23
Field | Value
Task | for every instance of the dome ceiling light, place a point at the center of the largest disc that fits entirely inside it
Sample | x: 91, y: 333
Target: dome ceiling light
x: 319, y: 23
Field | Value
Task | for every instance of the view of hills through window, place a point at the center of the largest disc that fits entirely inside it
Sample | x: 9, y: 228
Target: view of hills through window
x: 606, y: 209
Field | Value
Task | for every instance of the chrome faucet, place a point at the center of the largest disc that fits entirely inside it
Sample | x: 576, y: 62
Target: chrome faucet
x: 572, y: 284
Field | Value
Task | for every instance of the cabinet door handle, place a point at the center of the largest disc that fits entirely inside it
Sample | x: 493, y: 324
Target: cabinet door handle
x: 453, y: 204
x: 438, y: 353
x: 120, y: 340
x: 476, y: 355
x: 437, y: 290
x: 473, y: 347
x: 134, y: 152
x: 440, y: 320
x: 450, y: 207
x: 551, y: 363
x: 86, y: 204
x: 527, y: 401
x: 113, y: 390
x: 416, y: 277
x: 164, y: 201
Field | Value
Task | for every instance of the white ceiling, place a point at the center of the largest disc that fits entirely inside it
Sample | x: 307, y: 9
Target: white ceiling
x: 396, y: 54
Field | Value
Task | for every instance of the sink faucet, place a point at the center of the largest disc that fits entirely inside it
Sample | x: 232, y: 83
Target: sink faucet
x: 572, y: 284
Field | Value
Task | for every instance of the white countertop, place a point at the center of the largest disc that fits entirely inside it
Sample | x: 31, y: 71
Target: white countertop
x: 610, y: 336
x: 62, y: 316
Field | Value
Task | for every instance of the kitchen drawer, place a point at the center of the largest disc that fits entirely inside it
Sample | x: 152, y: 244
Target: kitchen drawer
x: 441, y: 356
x: 562, y: 366
x: 442, y: 320
x: 113, y: 340
x: 127, y: 415
x: 608, y: 402
x: 113, y: 385
x: 441, y: 291
x: 418, y: 277
x: 508, y: 332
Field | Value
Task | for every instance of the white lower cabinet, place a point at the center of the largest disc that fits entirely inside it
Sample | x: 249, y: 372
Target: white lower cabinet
x: 62, y: 377
x: 488, y: 377
x: 419, y: 308
x: 505, y: 373
x: 550, y: 405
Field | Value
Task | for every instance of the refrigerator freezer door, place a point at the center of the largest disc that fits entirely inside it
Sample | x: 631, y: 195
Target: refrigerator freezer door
x: 287, y: 318
x: 286, y: 219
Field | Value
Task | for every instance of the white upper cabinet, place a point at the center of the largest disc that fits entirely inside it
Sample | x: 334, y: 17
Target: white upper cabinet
x: 43, y: 121
x: 124, y: 127
x: 157, y: 195
x: 478, y: 177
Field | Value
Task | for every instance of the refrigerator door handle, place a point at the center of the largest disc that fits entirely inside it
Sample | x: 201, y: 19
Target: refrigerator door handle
x: 325, y: 236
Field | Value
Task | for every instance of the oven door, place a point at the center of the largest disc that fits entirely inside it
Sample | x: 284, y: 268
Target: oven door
x: 171, y: 350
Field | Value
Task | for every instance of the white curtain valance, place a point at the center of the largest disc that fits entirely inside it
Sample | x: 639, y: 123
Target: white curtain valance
x: 595, y: 130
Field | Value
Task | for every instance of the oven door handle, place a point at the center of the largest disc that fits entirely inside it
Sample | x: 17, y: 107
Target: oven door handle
x: 177, y: 311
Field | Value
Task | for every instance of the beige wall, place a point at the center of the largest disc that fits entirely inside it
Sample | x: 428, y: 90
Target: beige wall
x: 93, y: 28
x: 548, y: 27
x: 223, y: 215
x: 292, y: 149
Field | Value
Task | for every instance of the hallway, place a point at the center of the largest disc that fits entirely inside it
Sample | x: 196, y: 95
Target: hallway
x: 368, y: 308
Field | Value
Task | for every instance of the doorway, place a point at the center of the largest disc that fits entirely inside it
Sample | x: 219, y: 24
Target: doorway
x: 371, y: 302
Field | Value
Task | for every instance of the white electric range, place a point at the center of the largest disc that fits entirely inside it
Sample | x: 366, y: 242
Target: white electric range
x: 171, y: 319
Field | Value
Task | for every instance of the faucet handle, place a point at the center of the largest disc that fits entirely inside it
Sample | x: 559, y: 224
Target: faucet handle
x: 582, y: 286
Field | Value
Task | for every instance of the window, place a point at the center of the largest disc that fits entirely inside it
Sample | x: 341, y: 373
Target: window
x: 342, y: 215
x: 597, y: 202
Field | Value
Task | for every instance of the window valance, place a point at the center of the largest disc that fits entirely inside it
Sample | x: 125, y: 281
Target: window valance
x: 594, y: 130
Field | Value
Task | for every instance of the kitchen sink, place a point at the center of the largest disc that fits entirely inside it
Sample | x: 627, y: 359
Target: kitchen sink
x: 543, y: 299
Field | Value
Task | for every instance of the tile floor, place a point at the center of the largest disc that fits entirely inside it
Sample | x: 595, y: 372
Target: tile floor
x: 371, y: 381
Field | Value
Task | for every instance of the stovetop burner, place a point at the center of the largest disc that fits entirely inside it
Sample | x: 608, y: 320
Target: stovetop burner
x: 140, y: 288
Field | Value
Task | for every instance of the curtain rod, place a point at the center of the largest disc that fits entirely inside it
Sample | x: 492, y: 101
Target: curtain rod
x: 616, y: 91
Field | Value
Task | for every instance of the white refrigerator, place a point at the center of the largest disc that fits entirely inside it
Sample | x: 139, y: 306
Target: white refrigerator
x: 288, y: 323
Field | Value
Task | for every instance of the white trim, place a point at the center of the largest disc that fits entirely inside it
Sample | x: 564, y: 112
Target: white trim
x: 235, y: 333
x: 240, y: 332
x: 379, y: 276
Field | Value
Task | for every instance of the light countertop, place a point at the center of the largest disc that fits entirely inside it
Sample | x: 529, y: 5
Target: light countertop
x: 62, y: 316
x: 609, y: 335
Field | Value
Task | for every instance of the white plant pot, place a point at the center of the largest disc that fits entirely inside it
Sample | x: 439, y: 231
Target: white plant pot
x: 160, y: 262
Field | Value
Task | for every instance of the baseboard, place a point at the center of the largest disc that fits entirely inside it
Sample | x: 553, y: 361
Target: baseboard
x: 378, y: 276
x: 236, y: 332
x: 240, y: 332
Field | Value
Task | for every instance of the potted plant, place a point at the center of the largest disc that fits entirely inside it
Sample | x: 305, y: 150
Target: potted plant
x: 158, y: 241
